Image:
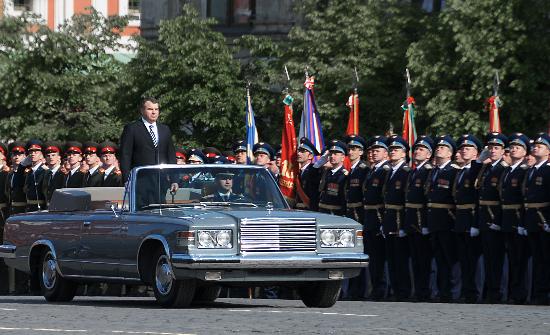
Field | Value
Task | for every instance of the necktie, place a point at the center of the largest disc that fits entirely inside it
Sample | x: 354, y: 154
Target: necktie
x: 531, y: 172
x: 434, y: 175
x: 460, y: 175
x: 153, y: 137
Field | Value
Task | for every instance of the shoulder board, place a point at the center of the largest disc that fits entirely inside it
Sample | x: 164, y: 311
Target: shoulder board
x: 118, y: 172
x: 453, y: 165
x: 362, y: 165
x: 428, y: 166
x: 386, y: 167
x: 406, y: 167
x: 101, y: 170
x: 345, y: 172
x: 524, y: 166
x: 503, y: 163
x: 83, y: 170
x: 44, y: 167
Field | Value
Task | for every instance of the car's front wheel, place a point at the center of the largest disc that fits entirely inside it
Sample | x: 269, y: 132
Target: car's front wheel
x: 321, y: 294
x: 170, y: 292
x: 53, y: 286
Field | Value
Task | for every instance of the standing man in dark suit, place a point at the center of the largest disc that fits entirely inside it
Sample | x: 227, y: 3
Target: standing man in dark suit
x: 146, y: 142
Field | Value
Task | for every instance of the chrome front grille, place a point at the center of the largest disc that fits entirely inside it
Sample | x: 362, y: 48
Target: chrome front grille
x: 278, y: 234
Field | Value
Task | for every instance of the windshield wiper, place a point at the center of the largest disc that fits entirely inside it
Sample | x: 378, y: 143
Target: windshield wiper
x: 164, y: 206
x: 227, y: 204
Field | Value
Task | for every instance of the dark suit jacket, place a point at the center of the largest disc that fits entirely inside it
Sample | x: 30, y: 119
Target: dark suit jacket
x: 93, y: 180
x: 52, y: 182
x: 137, y: 147
x: 113, y: 179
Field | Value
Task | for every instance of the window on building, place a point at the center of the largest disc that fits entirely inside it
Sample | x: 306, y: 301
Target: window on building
x: 22, y: 5
x: 134, y: 9
x: 231, y: 12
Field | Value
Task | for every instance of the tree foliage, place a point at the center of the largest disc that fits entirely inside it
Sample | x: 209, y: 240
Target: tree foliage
x: 59, y: 84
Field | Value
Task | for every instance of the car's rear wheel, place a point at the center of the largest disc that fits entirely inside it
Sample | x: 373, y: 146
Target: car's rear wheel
x: 170, y: 292
x: 53, y: 286
x: 207, y: 293
x: 321, y: 294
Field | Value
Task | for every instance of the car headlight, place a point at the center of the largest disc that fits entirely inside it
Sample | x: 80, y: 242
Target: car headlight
x: 214, y: 239
x: 337, y: 238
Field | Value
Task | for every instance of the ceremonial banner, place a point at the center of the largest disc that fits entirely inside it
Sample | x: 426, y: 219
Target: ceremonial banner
x: 310, y: 124
x: 493, y: 105
x: 251, y: 131
x: 409, y: 129
x: 289, y: 166
x: 353, y: 120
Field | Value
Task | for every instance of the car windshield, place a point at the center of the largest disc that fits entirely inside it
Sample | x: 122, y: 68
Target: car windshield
x: 206, y: 186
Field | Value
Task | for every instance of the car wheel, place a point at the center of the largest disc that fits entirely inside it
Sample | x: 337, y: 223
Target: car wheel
x: 207, y: 293
x: 53, y: 286
x: 321, y: 294
x: 170, y: 292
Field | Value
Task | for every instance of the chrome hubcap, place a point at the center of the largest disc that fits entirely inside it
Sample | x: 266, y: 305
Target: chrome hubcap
x: 164, y: 277
x: 49, y: 272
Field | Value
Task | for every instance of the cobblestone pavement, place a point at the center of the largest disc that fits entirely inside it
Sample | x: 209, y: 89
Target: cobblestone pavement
x: 110, y: 315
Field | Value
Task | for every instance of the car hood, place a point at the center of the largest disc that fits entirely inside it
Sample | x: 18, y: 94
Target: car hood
x: 238, y: 214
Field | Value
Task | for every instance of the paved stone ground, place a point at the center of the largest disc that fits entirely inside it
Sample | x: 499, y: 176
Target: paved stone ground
x: 108, y: 315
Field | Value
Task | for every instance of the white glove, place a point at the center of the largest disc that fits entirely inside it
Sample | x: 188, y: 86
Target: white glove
x: 322, y: 160
x: 483, y: 155
x: 546, y: 228
x: 26, y: 161
x: 474, y: 232
x: 522, y: 231
x: 402, y: 233
x: 494, y: 227
x: 425, y: 231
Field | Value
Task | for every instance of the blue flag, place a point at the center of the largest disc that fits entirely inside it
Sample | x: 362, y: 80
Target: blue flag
x: 251, y: 131
x: 310, y: 125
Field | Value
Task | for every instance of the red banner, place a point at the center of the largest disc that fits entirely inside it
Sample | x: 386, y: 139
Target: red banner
x: 289, y: 166
x: 493, y: 104
x: 353, y: 121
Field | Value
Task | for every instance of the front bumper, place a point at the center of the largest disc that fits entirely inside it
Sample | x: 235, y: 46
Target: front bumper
x: 7, y: 251
x: 271, y: 261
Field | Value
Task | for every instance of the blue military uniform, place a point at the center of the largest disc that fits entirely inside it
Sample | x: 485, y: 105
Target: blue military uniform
x: 441, y: 218
x: 537, y: 220
x: 331, y: 188
x: 354, y: 184
x: 373, y: 205
x: 397, y: 246
x: 490, y: 214
x: 307, y: 192
x: 415, y: 223
x: 517, y: 245
x: 468, y: 243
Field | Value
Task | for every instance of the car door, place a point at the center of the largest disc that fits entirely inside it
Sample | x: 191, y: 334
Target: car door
x: 100, y: 244
x: 135, y: 227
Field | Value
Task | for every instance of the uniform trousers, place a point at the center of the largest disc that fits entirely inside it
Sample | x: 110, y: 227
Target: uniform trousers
x: 493, y: 255
x: 540, y: 249
x: 397, y: 255
x: 421, y: 256
x: 518, y: 255
x: 468, y: 252
x: 375, y: 248
x: 443, y: 246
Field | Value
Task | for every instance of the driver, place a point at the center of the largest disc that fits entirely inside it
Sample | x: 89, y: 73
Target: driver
x: 223, y: 192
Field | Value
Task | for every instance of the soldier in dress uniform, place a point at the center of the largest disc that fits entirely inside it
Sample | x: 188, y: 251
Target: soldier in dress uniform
x: 16, y: 179
x: 93, y: 177
x: 110, y: 172
x: 415, y: 217
x: 490, y: 214
x: 230, y: 155
x: 511, y: 196
x: 264, y: 155
x: 239, y: 148
x: 307, y: 188
x: 211, y: 152
x: 441, y: 216
x: 393, y: 193
x: 34, y: 176
x: 358, y: 172
x: 331, y: 188
x: 537, y: 217
x: 54, y: 177
x: 466, y: 225
x: 373, y: 206
x: 74, y: 177
x: 4, y: 171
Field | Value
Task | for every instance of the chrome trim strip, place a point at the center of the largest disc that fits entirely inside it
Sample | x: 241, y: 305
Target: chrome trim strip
x: 7, y: 251
x: 104, y: 278
x: 256, y: 261
x: 91, y: 262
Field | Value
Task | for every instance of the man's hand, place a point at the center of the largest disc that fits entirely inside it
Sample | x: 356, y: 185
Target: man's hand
x: 402, y: 233
x: 522, y: 231
x: 174, y: 187
x: 494, y: 227
x: 474, y: 232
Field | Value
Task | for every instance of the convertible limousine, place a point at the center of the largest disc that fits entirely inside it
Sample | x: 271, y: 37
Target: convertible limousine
x: 186, y: 231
